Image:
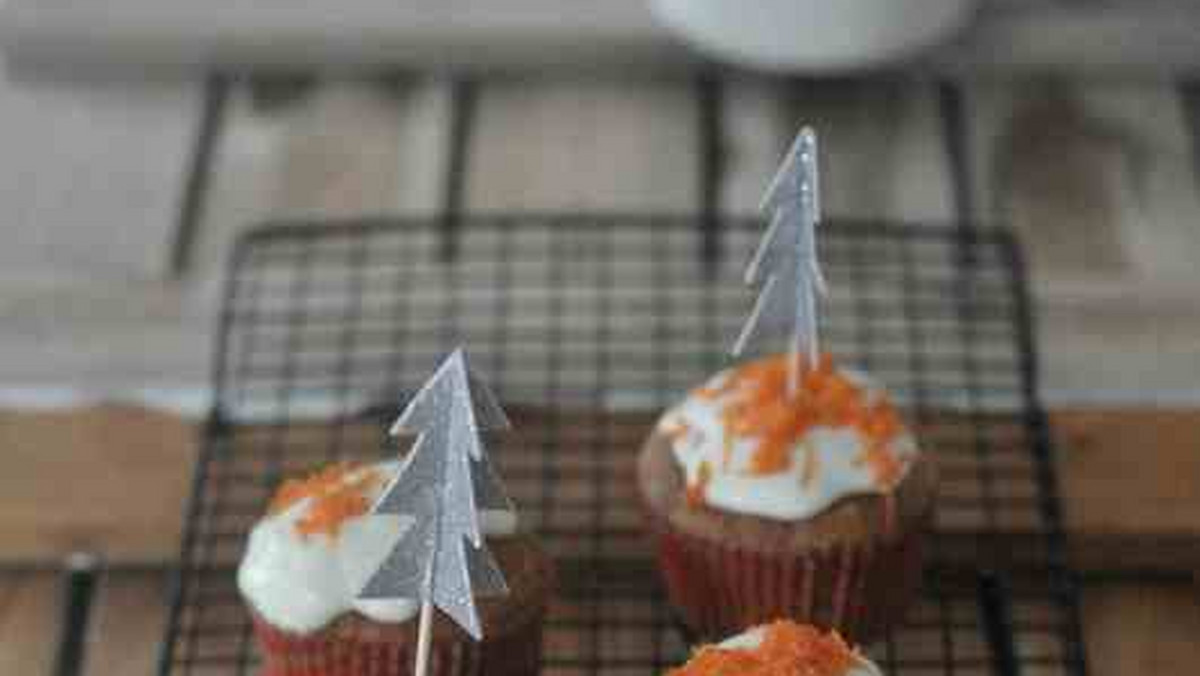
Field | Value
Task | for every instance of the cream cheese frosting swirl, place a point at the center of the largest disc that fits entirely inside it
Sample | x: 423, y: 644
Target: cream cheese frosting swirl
x: 747, y: 445
x: 306, y: 561
x: 779, y: 648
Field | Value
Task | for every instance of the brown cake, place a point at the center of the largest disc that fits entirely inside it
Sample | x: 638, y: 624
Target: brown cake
x: 809, y: 506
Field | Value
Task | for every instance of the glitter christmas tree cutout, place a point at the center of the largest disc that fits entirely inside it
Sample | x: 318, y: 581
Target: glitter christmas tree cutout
x: 785, y: 265
x: 442, y: 561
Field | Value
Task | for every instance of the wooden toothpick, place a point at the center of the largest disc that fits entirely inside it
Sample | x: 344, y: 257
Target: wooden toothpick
x: 424, y: 634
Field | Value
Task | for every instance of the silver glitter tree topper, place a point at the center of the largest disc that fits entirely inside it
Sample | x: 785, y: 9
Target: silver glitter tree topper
x: 445, y: 480
x: 785, y: 264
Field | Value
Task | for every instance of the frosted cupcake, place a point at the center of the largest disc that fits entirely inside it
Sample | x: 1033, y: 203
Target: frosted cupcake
x: 779, y: 649
x: 765, y: 504
x: 307, y: 559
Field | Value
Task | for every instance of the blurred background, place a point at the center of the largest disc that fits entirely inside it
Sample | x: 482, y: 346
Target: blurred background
x: 139, y: 138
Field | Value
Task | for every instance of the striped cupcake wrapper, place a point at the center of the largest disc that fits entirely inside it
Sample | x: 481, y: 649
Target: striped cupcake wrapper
x: 367, y: 650
x: 858, y: 590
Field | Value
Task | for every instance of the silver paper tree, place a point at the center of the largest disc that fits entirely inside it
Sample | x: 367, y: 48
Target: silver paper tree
x: 785, y: 264
x: 442, y: 560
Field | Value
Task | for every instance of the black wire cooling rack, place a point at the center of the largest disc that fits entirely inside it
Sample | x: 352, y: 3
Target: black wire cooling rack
x: 586, y: 327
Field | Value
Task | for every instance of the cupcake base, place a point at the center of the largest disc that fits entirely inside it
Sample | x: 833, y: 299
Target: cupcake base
x: 859, y: 591
x: 353, y: 645
x: 855, y: 567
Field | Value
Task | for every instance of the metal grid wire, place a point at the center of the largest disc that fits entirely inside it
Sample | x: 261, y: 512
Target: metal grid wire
x: 587, y: 326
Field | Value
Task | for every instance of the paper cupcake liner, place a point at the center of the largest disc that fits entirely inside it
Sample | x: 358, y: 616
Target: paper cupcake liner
x: 720, y: 590
x: 365, y: 649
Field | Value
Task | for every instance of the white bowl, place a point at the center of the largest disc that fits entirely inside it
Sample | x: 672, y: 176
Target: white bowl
x: 813, y: 35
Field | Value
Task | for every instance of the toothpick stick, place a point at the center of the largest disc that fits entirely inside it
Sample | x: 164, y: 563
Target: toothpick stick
x: 424, y: 633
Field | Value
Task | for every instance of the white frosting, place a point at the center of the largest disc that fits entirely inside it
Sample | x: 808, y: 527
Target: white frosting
x: 782, y: 495
x: 753, y: 638
x: 301, y: 583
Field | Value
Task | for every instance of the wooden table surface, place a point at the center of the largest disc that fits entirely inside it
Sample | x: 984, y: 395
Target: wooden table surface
x: 113, y: 479
x: 1131, y: 482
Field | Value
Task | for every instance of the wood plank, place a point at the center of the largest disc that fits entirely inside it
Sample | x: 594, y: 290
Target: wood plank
x: 1131, y: 485
x: 109, y: 479
x: 1142, y: 629
x: 883, y: 154
x: 1113, y: 495
x: 294, y: 160
x: 605, y: 145
x: 127, y: 624
x: 1112, y: 220
x: 28, y: 622
x: 65, y: 328
x: 94, y: 177
x: 1125, y: 506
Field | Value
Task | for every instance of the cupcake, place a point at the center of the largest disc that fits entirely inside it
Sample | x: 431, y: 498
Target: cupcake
x: 779, y: 649
x: 307, y: 559
x: 764, y: 503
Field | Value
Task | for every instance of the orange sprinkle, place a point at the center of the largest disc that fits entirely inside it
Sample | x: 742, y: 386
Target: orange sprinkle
x: 718, y: 662
x: 294, y: 490
x: 881, y: 422
x: 787, y: 649
x: 695, y: 491
x: 337, y: 495
x: 762, y: 407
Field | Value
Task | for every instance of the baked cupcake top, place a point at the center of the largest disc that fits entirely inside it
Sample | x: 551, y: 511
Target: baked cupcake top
x: 779, y: 649
x: 307, y: 559
x: 745, y: 445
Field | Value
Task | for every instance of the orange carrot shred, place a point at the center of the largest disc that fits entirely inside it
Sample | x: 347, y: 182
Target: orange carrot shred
x: 759, y: 405
x: 336, y: 496
x: 787, y: 649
